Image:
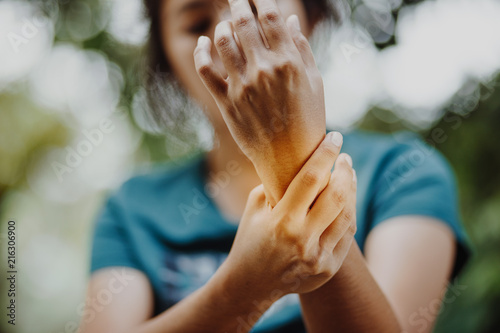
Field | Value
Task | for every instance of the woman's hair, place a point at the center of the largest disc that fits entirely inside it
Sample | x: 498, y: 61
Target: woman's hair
x: 317, y: 10
x: 161, y: 84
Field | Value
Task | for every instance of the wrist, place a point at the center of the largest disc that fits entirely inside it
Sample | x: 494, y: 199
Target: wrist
x: 276, y: 174
x: 278, y: 164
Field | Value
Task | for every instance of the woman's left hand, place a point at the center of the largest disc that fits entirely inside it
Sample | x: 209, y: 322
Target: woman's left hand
x: 272, y: 100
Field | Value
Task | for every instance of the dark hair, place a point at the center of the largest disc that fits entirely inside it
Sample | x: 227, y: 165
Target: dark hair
x: 158, y: 72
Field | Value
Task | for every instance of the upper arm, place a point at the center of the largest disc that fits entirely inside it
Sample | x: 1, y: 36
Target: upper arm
x: 119, y: 295
x: 411, y: 258
x: 118, y: 299
x: 411, y: 248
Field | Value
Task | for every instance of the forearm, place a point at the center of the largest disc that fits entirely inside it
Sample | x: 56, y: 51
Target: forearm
x: 216, y: 307
x: 351, y: 301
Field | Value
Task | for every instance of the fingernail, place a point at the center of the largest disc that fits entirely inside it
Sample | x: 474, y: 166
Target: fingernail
x: 349, y: 160
x: 336, y: 139
x: 296, y: 22
x: 354, y: 176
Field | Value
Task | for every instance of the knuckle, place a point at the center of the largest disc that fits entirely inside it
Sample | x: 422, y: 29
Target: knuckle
x: 263, y: 74
x: 330, y: 270
x: 256, y: 202
x: 204, y: 70
x: 347, y: 217
x: 223, y: 41
x: 312, y: 263
x: 286, y: 67
x: 317, y: 264
x: 285, y: 220
x: 338, y: 196
x: 243, y: 21
x: 327, y: 151
x: 326, y: 267
x: 353, y: 227
x: 270, y: 16
x: 311, y: 178
x: 287, y: 234
x: 347, y: 220
x: 256, y: 193
x: 246, y: 90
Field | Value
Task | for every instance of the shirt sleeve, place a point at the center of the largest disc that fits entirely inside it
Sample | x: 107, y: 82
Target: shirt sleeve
x: 417, y: 180
x: 111, y: 245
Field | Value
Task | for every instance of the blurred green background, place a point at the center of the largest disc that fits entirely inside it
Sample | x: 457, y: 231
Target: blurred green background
x: 73, y: 127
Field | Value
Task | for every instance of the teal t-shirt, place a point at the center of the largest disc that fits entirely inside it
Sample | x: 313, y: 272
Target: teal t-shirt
x: 166, y: 225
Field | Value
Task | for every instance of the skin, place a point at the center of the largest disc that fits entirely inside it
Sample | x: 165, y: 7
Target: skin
x: 408, y: 258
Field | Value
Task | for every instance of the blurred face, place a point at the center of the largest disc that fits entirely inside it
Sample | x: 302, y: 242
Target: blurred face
x: 183, y: 21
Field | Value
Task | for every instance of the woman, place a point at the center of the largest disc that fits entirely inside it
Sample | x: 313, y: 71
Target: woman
x: 257, y: 234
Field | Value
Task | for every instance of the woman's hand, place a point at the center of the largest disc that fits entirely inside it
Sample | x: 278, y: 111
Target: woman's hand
x: 272, y: 100
x: 298, y: 245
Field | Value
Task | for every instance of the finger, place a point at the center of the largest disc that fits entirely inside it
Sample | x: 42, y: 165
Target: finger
x: 307, y: 184
x: 344, y: 225
x: 341, y: 250
x: 245, y: 26
x: 228, y: 49
x: 272, y: 23
x: 332, y: 202
x: 338, y: 254
x: 301, y: 41
x: 206, y: 69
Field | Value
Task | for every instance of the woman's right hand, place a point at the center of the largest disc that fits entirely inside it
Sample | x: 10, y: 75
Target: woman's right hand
x: 298, y: 245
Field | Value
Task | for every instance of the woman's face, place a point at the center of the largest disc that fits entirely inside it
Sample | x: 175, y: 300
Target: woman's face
x: 183, y: 21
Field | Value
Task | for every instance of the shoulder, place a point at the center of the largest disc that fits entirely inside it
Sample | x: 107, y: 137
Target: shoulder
x: 393, y: 144
x: 397, y: 157
x: 401, y: 174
